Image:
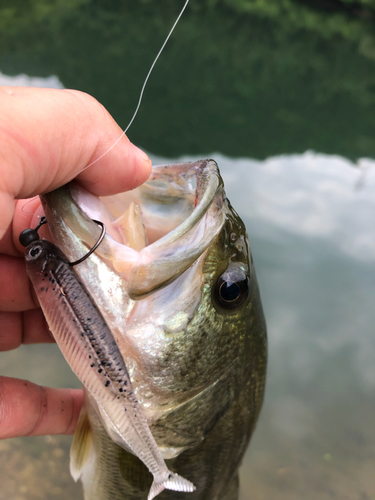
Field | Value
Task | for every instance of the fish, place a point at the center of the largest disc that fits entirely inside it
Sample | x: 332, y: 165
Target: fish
x: 175, y: 284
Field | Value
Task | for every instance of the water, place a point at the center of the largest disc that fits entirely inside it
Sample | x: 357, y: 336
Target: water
x: 235, y: 92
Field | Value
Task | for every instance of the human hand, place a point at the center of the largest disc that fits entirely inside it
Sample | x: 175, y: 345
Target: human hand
x: 47, y: 138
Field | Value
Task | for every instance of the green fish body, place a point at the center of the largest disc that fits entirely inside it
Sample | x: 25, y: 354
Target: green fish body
x: 175, y: 282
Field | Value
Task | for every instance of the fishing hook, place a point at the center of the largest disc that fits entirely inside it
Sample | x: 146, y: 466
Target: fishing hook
x: 101, y: 237
x: 29, y: 235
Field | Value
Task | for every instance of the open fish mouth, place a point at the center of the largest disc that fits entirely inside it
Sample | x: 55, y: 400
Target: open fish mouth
x: 154, y: 233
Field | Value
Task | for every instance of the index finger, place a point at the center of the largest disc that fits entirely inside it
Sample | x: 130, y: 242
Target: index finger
x: 27, y: 409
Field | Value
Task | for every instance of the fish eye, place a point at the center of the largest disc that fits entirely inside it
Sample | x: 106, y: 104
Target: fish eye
x: 232, y: 288
x: 35, y: 251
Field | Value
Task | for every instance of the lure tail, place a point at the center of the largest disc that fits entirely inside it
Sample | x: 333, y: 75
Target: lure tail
x: 170, y: 481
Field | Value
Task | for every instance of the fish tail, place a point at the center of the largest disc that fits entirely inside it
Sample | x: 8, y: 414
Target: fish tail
x: 170, y: 481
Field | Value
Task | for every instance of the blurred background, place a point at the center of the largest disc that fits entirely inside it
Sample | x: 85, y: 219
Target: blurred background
x: 281, y: 93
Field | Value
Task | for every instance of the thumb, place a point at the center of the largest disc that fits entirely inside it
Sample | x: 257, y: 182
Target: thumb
x: 48, y: 137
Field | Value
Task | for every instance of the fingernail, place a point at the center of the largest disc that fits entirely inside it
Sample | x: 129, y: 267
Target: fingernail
x: 142, y: 155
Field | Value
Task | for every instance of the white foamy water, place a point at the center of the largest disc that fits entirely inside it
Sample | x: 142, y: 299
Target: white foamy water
x: 23, y: 80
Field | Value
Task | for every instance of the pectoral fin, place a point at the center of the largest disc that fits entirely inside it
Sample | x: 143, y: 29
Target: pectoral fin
x: 82, y: 439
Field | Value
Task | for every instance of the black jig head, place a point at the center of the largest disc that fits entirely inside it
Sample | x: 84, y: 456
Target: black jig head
x: 29, y: 235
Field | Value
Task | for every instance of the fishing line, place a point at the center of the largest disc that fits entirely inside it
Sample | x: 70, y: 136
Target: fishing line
x: 143, y: 87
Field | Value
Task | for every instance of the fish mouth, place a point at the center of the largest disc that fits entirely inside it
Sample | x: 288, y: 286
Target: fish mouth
x: 154, y: 233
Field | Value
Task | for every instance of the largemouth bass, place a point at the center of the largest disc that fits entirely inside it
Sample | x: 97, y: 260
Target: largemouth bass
x: 175, y: 283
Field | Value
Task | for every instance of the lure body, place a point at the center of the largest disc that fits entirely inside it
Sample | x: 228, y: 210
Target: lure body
x: 91, y: 351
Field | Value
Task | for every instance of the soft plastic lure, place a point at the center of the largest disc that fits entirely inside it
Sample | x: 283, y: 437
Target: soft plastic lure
x: 91, y: 350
